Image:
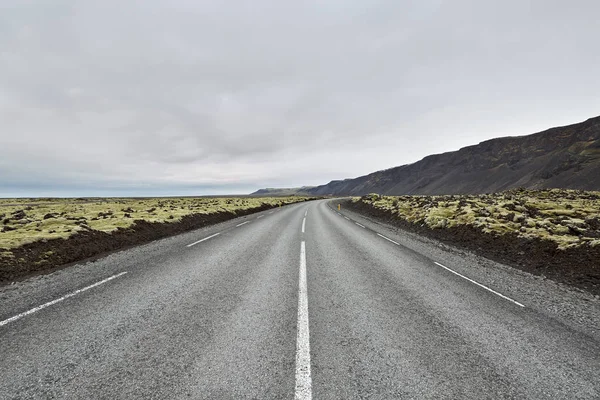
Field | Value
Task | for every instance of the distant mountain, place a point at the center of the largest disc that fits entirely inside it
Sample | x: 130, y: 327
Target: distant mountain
x: 283, y: 191
x: 563, y: 157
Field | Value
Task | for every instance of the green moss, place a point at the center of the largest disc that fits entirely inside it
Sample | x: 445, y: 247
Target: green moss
x: 562, y: 216
x: 61, y: 218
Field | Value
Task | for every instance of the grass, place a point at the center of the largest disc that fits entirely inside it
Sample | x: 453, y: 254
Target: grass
x: 24, y: 221
x: 569, y: 218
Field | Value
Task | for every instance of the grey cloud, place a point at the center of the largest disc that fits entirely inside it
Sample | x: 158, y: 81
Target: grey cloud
x: 174, y: 95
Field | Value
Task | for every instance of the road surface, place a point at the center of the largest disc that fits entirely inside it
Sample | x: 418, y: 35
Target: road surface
x: 297, y: 302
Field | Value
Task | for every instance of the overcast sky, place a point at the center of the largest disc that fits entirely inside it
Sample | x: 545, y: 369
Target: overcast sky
x: 183, y: 97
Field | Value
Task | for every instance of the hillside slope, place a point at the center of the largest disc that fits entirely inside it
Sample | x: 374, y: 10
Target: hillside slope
x: 282, y: 191
x: 563, y: 157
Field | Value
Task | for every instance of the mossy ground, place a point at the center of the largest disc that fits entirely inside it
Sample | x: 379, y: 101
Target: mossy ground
x: 568, y: 218
x: 551, y: 233
x: 25, y: 221
x: 40, y: 235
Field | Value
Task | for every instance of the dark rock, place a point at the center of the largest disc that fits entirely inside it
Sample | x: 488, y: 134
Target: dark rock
x: 20, y: 214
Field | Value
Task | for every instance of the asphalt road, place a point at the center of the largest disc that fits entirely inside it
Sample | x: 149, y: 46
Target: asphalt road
x: 297, y: 302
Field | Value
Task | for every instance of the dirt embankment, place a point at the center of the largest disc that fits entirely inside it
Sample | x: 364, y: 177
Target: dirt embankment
x: 579, y: 267
x: 46, y: 256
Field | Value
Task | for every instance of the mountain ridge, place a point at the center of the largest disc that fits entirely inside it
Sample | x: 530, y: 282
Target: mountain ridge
x: 282, y: 191
x: 561, y: 157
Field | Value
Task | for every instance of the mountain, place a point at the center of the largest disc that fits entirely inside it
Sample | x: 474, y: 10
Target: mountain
x: 563, y: 157
x: 283, y: 191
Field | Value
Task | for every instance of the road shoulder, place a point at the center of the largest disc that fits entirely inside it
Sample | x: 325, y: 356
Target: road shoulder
x: 571, y: 306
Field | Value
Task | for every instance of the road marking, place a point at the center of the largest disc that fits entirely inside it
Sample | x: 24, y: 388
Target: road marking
x: 387, y: 238
x: 260, y: 216
x: 305, y: 213
x: 456, y: 273
x: 347, y: 218
x: 271, y: 212
x: 479, y: 284
x: 303, y: 379
x: 243, y: 223
x: 51, y: 303
x: 202, y: 240
x: 362, y: 226
x: 303, y: 224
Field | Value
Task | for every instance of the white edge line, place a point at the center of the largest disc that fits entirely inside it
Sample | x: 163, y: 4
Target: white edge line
x: 202, y: 240
x: 387, y: 238
x: 362, y: 226
x: 303, y: 224
x: 50, y: 303
x: 303, y: 379
x: 243, y: 223
x: 479, y: 284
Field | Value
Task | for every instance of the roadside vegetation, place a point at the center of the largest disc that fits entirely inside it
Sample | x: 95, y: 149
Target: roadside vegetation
x: 568, y: 218
x: 40, y: 234
x: 25, y: 220
x: 554, y: 233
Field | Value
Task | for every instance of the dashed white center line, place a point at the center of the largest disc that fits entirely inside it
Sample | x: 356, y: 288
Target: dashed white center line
x: 271, y: 212
x: 202, y: 240
x: 480, y: 285
x: 387, y: 238
x: 51, y: 303
x: 243, y: 223
x: 305, y: 213
x: 303, y: 378
x: 303, y: 224
x: 362, y: 226
x: 347, y: 218
x: 260, y: 216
